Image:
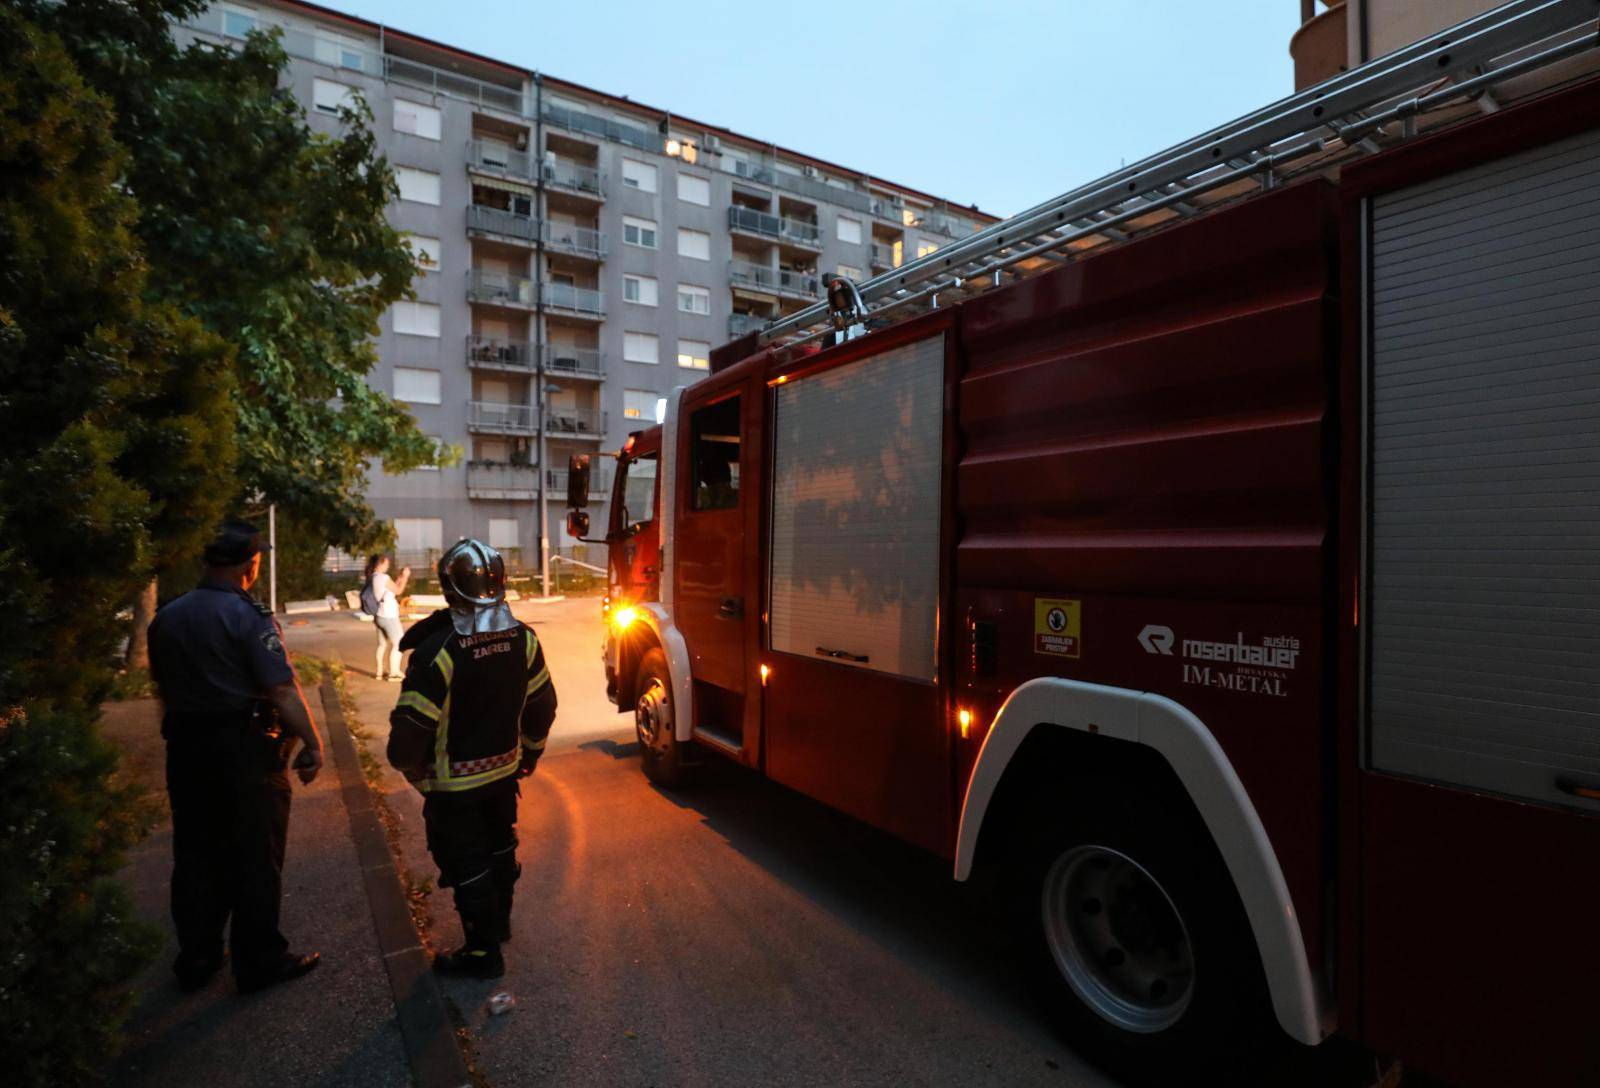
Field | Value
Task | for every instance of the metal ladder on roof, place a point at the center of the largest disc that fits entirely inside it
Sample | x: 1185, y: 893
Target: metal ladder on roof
x: 1470, y: 68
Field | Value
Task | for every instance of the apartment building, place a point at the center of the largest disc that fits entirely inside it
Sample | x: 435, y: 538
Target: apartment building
x: 583, y: 255
x: 1337, y: 35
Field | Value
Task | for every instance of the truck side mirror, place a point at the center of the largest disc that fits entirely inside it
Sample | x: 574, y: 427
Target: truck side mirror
x: 578, y: 483
x: 578, y: 524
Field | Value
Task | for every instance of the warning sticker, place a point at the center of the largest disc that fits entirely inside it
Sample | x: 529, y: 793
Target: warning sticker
x: 1057, y: 627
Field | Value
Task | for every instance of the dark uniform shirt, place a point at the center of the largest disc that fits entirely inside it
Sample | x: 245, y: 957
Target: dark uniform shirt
x: 471, y: 705
x: 216, y: 649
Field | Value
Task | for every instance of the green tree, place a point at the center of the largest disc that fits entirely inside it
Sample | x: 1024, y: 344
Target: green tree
x: 276, y: 238
x: 116, y: 431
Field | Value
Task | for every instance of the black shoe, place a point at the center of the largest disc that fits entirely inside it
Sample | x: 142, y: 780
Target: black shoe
x: 290, y: 967
x: 194, y: 972
x: 469, y: 962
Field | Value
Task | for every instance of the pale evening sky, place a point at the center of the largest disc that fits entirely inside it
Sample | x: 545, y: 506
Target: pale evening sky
x: 1000, y: 104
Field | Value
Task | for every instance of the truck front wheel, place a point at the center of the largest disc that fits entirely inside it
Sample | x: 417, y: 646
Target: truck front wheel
x: 1140, y: 947
x: 654, y: 721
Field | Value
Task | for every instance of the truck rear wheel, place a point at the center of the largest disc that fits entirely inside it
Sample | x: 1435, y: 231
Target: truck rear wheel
x: 1140, y: 948
x: 662, y: 755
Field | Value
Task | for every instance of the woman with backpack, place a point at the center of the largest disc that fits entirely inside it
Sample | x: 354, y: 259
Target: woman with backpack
x: 380, y: 599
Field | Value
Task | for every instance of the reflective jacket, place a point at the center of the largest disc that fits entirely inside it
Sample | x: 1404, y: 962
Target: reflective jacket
x: 471, y: 705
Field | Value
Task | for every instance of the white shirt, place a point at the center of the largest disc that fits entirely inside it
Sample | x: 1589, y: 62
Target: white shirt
x: 383, y: 589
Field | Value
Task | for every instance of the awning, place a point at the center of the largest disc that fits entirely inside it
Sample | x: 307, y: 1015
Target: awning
x: 759, y: 297
x: 504, y: 186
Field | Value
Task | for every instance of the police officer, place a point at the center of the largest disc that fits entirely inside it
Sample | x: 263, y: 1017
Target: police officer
x: 473, y: 716
x: 233, y: 709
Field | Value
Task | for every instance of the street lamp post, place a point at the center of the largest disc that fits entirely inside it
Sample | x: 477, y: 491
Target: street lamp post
x: 544, y: 480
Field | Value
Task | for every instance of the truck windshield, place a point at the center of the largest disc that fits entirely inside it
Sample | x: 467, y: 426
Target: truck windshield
x: 633, y: 496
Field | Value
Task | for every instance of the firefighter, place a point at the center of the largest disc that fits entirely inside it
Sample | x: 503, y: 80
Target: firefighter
x: 473, y: 716
x: 232, y: 710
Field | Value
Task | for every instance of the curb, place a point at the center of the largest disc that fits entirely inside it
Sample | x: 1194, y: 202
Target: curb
x: 432, y: 1053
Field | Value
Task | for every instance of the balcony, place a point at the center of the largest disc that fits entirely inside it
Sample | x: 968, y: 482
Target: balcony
x: 938, y: 223
x: 775, y: 228
x: 490, y: 354
x: 602, y: 128
x: 751, y: 170
x: 776, y: 281
x: 575, y: 240
x: 564, y: 298
x: 501, y: 480
x: 574, y: 422
x: 882, y: 256
x: 502, y: 224
x: 741, y: 324
x: 599, y: 481
x: 500, y: 289
x: 498, y: 161
x: 487, y: 417
x: 569, y: 177
x: 1319, y: 47
x: 564, y: 360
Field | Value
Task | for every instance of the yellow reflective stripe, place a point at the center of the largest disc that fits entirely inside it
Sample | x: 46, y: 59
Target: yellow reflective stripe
x: 420, y: 703
x: 467, y: 782
x: 532, y: 645
x: 534, y: 745
x: 441, y: 742
x: 537, y: 683
x: 446, y: 664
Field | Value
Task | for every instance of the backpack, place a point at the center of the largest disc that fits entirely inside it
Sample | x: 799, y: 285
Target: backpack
x: 369, y: 599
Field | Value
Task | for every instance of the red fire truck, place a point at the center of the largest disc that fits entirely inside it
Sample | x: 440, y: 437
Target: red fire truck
x: 1214, y: 550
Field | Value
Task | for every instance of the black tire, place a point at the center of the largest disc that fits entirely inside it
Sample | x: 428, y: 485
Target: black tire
x: 1185, y: 1002
x: 662, y: 756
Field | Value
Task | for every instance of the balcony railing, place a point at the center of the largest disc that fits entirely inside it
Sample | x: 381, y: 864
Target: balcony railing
x: 582, y: 422
x: 501, y: 480
x: 580, y: 300
x: 573, y: 178
x: 562, y: 359
x: 499, y: 288
x: 752, y: 170
x: 882, y: 256
x: 780, y: 280
x: 602, y: 127
x: 599, y: 480
x: 581, y: 241
x: 494, y: 158
x: 740, y: 324
x: 778, y: 228
x: 502, y: 418
x: 507, y: 224
x: 501, y: 354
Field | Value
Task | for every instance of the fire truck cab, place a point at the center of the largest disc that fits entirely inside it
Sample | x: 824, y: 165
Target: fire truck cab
x: 1233, y: 590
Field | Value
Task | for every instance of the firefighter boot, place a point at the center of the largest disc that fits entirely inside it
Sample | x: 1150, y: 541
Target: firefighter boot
x: 478, y: 903
x: 506, y: 871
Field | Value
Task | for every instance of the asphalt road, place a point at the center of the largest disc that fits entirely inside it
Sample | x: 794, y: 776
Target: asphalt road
x: 733, y: 933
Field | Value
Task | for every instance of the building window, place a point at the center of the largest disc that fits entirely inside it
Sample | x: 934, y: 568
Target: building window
x: 330, y: 97
x: 421, y: 186
x: 694, y: 243
x: 639, y: 175
x: 849, y: 272
x: 417, y: 119
x: 639, y: 403
x: 693, y: 189
x: 641, y: 347
x: 236, y: 24
x: 925, y: 247
x: 639, y: 289
x: 427, y: 251
x: 693, y: 300
x: 849, y: 230
x: 639, y: 232
x: 694, y: 354
x: 416, y: 318
x: 415, y: 386
x: 503, y: 533
x: 418, y: 536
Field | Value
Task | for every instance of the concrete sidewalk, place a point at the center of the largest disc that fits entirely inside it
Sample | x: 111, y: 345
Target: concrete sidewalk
x: 336, y: 1027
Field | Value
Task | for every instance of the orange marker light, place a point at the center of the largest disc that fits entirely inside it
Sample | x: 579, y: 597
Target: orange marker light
x: 782, y: 378
x: 623, y: 617
x: 964, y: 719
x: 765, y: 672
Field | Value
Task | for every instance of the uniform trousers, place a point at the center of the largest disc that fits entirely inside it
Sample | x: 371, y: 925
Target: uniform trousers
x: 230, y: 820
x: 472, y: 836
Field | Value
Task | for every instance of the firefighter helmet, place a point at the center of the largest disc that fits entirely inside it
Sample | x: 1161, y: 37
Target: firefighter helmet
x: 472, y: 577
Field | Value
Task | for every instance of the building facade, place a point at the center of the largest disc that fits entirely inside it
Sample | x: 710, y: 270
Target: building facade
x: 583, y: 255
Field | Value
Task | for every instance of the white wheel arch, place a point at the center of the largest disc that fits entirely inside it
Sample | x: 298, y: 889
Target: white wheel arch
x: 1200, y: 764
x: 654, y: 615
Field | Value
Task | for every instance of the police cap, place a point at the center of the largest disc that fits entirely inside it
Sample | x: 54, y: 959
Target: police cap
x: 236, y: 541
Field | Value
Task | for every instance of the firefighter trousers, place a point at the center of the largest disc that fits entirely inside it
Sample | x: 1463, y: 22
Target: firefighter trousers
x: 472, y: 836
x: 230, y: 821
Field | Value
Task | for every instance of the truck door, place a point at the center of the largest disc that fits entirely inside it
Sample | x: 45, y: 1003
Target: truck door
x: 852, y: 711
x: 711, y: 600
x: 1479, y: 780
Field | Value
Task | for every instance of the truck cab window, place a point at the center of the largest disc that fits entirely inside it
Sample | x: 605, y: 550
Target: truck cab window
x: 714, y: 453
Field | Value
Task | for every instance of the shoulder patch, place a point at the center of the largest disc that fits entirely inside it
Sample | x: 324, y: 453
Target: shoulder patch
x: 271, y: 641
